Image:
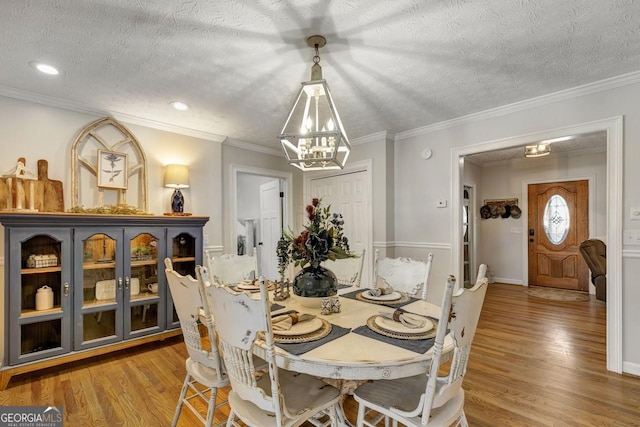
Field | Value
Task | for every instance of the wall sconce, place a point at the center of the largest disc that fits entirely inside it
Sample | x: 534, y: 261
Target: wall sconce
x: 177, y: 177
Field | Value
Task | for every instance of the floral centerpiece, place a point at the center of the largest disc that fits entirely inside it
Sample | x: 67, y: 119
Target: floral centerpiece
x: 321, y: 240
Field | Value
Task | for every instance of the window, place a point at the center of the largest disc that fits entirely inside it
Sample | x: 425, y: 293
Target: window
x: 556, y: 219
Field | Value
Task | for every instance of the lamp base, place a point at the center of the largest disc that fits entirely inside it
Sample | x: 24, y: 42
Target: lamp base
x: 177, y: 201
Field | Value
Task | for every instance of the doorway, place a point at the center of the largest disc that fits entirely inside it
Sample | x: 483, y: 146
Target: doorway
x: 613, y: 127
x: 260, y: 206
x: 558, y: 221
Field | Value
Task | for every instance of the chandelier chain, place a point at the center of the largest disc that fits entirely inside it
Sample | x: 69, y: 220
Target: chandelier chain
x: 316, y: 58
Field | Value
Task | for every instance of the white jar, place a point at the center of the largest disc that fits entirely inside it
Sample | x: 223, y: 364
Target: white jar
x: 44, y: 298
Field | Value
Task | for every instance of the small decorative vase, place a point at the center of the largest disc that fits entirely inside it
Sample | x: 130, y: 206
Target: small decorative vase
x: 312, y: 284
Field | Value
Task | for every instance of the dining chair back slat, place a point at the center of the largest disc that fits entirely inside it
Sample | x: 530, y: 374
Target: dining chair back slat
x: 347, y: 270
x: 403, y: 274
x: 228, y: 269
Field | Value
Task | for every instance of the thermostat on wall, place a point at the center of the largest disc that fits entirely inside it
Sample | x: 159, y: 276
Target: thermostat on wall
x: 427, y: 153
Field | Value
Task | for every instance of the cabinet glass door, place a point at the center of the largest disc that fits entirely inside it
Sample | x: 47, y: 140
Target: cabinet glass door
x: 98, y: 288
x: 42, y: 307
x: 185, y: 253
x: 146, y: 300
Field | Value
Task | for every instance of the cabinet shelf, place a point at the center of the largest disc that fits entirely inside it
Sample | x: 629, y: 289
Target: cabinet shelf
x: 40, y: 270
x: 98, y: 265
x: 144, y: 262
x: 35, y: 313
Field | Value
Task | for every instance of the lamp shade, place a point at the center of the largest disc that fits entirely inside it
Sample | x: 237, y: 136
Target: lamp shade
x: 176, y: 176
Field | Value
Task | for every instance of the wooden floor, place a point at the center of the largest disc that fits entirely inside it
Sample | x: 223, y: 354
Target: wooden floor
x: 534, y: 362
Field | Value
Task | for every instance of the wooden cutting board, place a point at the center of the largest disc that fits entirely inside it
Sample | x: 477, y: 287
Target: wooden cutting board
x: 51, y: 191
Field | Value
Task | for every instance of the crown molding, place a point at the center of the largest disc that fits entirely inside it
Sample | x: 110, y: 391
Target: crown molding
x: 587, y: 89
x: 252, y: 147
x: 374, y: 137
x: 49, y: 101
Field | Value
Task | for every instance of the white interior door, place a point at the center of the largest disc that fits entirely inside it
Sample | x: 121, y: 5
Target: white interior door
x: 270, y: 221
x: 348, y: 195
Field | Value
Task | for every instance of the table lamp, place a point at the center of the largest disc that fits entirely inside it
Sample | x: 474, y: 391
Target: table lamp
x: 177, y: 177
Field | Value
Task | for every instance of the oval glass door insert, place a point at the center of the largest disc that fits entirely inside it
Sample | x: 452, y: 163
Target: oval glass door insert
x: 556, y: 219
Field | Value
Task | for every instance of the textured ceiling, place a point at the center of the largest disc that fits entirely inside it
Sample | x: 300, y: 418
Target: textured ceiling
x: 392, y: 65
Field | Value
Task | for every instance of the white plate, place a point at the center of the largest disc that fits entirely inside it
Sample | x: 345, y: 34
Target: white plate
x: 302, y: 328
x: 393, y: 326
x: 247, y: 286
x: 395, y: 295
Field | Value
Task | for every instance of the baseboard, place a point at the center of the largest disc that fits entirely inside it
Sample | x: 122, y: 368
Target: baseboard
x: 631, y: 368
x: 508, y: 281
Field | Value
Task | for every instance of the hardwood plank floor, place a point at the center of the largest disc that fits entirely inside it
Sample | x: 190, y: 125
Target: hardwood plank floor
x: 534, y: 362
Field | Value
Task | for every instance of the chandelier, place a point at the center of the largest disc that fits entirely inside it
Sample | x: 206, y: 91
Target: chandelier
x: 313, y: 137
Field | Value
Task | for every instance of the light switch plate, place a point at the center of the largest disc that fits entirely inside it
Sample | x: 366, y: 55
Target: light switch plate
x: 634, y: 213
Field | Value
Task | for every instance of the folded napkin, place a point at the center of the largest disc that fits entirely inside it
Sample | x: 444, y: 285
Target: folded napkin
x: 412, y: 321
x: 381, y: 288
x: 284, y: 322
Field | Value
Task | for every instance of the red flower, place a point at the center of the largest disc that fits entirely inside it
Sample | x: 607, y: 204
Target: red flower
x: 315, y: 201
x: 311, y: 212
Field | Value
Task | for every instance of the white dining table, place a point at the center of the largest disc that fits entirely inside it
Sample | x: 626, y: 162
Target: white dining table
x: 354, y: 356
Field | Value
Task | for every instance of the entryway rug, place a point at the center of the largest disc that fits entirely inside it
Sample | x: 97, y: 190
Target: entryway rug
x: 557, y: 294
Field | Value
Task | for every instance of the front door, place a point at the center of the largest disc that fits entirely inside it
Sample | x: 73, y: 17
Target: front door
x: 558, y: 223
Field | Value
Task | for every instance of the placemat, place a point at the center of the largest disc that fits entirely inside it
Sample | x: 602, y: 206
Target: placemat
x: 393, y: 304
x: 303, y: 347
x: 417, y: 346
x: 275, y: 307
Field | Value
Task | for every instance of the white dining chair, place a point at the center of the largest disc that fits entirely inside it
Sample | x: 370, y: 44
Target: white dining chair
x: 228, y: 269
x: 203, y: 365
x: 347, y: 270
x: 428, y: 399
x: 482, y: 273
x: 280, y: 398
x: 403, y: 274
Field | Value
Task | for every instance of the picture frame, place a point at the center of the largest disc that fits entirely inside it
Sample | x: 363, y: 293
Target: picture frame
x: 112, y: 169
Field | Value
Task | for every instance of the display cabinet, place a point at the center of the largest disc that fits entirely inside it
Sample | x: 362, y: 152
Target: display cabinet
x: 79, y: 285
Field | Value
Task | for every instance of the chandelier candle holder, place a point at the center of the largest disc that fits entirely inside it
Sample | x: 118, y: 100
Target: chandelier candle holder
x: 313, y: 137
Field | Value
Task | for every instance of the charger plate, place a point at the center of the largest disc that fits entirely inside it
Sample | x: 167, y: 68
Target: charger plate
x: 371, y: 323
x: 393, y: 296
x: 393, y: 326
x: 403, y: 299
x: 313, y: 336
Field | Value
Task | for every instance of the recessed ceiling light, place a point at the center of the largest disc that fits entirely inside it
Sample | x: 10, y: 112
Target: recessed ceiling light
x: 45, y: 68
x: 179, y: 105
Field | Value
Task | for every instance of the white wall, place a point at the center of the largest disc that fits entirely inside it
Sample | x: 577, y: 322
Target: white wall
x: 420, y: 183
x: 499, y: 246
